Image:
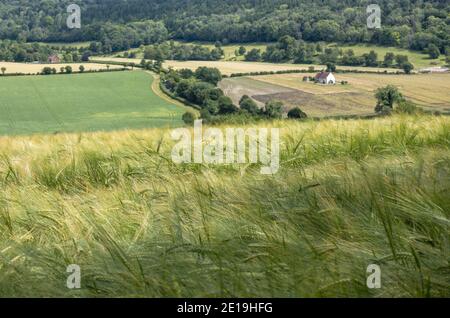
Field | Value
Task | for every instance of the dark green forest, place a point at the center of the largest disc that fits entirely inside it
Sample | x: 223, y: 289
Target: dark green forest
x: 121, y: 24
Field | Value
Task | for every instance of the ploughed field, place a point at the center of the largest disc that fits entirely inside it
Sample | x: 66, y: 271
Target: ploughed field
x: 430, y: 91
x: 83, y: 102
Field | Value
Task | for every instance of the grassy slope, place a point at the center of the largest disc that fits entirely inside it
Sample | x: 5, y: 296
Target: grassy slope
x: 420, y: 60
x: 349, y: 194
x: 229, y: 49
x: 85, y: 102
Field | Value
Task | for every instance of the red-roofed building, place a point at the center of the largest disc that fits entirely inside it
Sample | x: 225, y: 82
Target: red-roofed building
x: 54, y: 59
x: 325, y: 78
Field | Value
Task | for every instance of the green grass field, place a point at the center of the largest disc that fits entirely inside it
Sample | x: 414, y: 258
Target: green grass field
x: 82, y: 102
x: 67, y: 44
x: 419, y: 59
x: 349, y: 194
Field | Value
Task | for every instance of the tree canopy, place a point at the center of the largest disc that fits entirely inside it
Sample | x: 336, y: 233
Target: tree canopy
x: 120, y: 24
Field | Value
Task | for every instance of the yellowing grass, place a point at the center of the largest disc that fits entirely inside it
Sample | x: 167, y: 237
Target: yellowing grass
x: 427, y: 90
x: 230, y: 67
x: 348, y: 194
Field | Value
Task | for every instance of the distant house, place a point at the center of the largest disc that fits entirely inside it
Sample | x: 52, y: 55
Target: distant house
x: 325, y: 78
x: 54, y: 59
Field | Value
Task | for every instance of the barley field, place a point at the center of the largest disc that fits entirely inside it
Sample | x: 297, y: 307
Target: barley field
x: 348, y: 194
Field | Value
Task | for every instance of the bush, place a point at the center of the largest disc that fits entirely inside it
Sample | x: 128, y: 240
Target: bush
x: 407, y: 67
x: 407, y: 107
x: 248, y: 104
x: 386, y: 97
x: 226, y: 105
x: 433, y: 51
x: 47, y: 71
x: 205, y: 115
x: 383, y: 110
x: 273, y: 109
x: 254, y: 55
x: 208, y: 74
x: 189, y: 118
x: 297, y: 113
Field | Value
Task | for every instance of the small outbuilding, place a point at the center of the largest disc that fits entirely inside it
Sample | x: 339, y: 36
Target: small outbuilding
x: 54, y: 59
x: 326, y: 78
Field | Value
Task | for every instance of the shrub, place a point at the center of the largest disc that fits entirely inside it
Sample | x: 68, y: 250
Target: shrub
x: 386, y: 97
x: 188, y: 118
x: 407, y: 67
x: 273, y: 109
x: 226, y: 105
x: 407, y: 107
x: 205, y: 115
x: 297, y: 113
x: 47, y: 71
x: 433, y: 51
x: 248, y: 104
x: 208, y: 74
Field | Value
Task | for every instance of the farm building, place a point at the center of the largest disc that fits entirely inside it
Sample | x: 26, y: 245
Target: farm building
x: 53, y: 59
x: 325, y: 78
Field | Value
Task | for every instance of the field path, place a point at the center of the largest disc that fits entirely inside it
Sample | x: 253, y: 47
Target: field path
x: 158, y: 92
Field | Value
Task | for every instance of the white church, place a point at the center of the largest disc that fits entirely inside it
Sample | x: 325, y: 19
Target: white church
x: 326, y: 78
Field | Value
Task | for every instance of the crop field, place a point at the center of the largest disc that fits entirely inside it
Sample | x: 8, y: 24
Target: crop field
x: 230, y: 67
x: 29, y: 68
x: 348, y: 194
x: 83, y: 102
x: 430, y: 91
x: 419, y: 59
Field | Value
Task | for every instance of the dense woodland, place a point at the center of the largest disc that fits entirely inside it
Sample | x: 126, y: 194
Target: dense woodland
x: 121, y: 24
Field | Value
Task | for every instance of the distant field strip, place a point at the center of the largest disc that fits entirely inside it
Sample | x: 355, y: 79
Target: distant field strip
x: 28, y: 68
x: 83, y: 102
x: 230, y: 67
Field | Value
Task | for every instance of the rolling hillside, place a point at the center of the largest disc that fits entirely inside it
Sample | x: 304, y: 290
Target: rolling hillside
x: 83, y: 102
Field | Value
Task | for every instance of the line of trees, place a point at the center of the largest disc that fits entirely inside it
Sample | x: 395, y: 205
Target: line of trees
x: 200, y: 88
x: 288, y: 49
x: 182, y: 52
